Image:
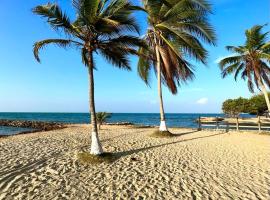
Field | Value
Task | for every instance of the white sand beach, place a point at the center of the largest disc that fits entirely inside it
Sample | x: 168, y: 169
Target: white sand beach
x: 193, y: 165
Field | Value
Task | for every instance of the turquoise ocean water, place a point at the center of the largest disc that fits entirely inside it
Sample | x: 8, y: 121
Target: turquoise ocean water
x: 173, y: 120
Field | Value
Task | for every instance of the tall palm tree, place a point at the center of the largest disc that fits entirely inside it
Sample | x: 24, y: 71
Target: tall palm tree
x: 102, y: 27
x: 251, y: 60
x: 175, y: 28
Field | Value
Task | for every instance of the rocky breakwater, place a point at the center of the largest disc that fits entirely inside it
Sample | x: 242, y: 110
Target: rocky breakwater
x: 129, y: 124
x: 35, y: 125
x: 120, y: 123
x: 210, y: 119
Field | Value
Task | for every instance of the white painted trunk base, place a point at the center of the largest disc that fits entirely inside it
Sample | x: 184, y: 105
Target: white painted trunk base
x: 96, y: 147
x: 162, y: 126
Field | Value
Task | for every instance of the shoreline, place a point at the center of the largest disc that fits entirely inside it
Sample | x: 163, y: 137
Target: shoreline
x: 41, y: 126
x: 116, y: 126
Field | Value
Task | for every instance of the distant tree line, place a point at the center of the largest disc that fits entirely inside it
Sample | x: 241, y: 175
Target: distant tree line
x: 255, y: 105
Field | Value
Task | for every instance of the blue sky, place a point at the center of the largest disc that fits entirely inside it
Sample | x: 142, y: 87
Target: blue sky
x: 60, y: 84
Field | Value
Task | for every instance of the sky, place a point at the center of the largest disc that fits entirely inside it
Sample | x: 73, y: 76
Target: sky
x: 60, y: 82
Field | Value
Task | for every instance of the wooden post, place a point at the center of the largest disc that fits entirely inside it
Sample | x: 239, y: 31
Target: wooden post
x: 199, y: 124
x: 237, y: 124
x: 259, y: 123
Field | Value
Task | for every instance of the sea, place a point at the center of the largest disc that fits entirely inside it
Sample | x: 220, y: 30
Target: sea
x: 187, y: 120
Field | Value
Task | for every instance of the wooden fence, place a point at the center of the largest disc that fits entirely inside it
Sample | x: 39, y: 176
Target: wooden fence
x: 237, y: 126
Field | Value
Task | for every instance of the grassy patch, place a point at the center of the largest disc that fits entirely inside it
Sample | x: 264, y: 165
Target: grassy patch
x: 88, y: 158
x: 162, y: 134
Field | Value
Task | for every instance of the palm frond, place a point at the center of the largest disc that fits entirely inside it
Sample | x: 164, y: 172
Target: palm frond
x: 59, y: 42
x: 201, y: 29
x: 255, y: 37
x: 144, y: 64
x: 55, y: 17
x: 250, y: 86
x: 266, y: 47
x: 238, y: 70
x: 180, y: 6
x: 87, y: 9
x: 102, y: 117
x: 171, y: 45
x: 189, y: 44
x: 175, y: 70
x: 230, y: 69
x: 265, y: 56
x: 116, y: 18
x: 238, y: 50
x: 116, y: 56
x: 250, y: 60
x: 84, y: 56
x: 177, y: 28
x: 230, y: 60
x: 126, y: 41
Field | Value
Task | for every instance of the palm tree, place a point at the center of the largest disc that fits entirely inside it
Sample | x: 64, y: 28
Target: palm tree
x: 251, y: 61
x: 102, y: 118
x: 101, y: 27
x: 174, y: 30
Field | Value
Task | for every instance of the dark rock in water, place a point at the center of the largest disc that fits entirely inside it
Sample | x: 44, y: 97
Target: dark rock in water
x: 120, y: 123
x: 218, y: 119
x: 210, y: 119
x: 37, y: 125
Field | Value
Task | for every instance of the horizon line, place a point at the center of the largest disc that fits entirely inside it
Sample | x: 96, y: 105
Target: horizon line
x: 117, y: 112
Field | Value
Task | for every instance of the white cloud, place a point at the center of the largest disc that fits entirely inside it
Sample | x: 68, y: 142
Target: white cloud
x: 202, y: 101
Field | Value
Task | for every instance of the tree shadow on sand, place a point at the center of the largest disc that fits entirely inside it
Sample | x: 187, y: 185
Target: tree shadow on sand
x: 85, y: 147
x: 118, y: 136
x: 185, y: 133
x: 113, y: 156
x: 118, y: 155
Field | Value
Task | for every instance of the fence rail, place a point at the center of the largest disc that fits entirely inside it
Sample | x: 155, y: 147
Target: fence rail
x: 227, y: 126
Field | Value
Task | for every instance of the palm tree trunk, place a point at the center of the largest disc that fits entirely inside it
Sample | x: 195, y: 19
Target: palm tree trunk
x: 162, y: 126
x: 96, y: 148
x: 263, y: 88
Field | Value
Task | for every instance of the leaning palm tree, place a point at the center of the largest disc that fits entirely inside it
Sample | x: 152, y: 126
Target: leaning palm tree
x: 251, y: 61
x: 175, y: 29
x: 101, y: 26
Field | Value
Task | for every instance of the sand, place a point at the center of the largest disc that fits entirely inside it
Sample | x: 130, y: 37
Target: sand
x: 193, y: 165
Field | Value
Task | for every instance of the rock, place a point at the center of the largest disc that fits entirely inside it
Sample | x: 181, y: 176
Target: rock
x: 210, y: 119
x: 38, y: 125
x: 120, y: 123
